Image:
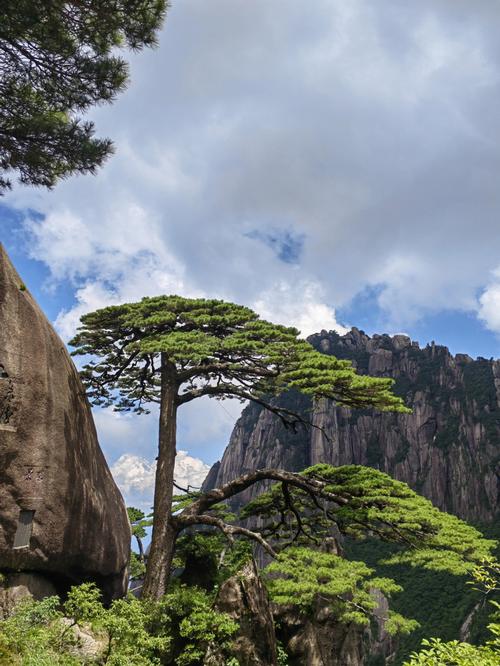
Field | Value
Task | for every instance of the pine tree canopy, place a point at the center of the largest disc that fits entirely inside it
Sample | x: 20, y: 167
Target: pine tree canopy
x: 295, y: 519
x: 301, y: 577
x: 57, y: 59
x: 213, y: 348
x: 362, y: 501
x: 171, y: 350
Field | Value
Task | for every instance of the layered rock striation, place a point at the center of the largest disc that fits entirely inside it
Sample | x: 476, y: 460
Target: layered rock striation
x: 61, y: 515
x: 448, y: 449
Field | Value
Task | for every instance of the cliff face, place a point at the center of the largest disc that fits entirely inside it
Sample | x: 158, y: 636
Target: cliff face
x: 315, y: 638
x: 448, y: 449
x: 62, y: 518
x: 318, y: 639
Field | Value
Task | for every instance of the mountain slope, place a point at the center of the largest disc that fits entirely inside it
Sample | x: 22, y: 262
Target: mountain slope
x: 448, y: 449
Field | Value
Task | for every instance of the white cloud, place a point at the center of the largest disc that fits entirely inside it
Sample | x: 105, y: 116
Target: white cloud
x: 133, y: 473
x: 369, y: 130
x: 366, y: 129
x: 189, y: 471
x: 489, y: 304
x: 121, y: 279
x: 135, y: 476
x: 300, y: 305
x: 203, y: 428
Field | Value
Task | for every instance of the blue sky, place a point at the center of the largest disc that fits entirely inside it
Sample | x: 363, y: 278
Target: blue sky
x: 329, y: 165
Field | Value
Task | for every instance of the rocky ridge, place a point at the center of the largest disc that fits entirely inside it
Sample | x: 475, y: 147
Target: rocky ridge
x: 447, y: 449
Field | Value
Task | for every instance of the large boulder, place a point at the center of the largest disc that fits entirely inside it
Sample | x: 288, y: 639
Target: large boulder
x: 61, y: 514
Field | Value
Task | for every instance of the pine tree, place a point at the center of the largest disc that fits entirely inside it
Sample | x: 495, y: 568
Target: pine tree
x: 57, y: 59
x: 294, y: 522
x: 172, y: 350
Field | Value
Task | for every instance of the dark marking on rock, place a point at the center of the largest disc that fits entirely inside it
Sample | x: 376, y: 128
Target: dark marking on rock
x: 24, y: 529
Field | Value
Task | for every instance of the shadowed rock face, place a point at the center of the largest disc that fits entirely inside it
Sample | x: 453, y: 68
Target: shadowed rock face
x: 315, y: 638
x: 61, y: 514
x: 245, y: 599
x: 448, y: 449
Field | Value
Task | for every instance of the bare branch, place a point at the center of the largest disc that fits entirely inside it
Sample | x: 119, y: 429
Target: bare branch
x: 225, y: 528
x: 241, y: 483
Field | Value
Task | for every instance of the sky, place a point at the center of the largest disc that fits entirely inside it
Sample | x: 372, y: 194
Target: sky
x: 330, y: 164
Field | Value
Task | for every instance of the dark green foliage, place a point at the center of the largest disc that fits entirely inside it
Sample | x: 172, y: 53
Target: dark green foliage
x: 296, y: 516
x: 402, y: 452
x: 207, y: 559
x: 137, y: 567
x: 480, y: 386
x: 479, y: 383
x: 57, y: 59
x: 217, y: 348
x: 138, y: 521
x: 138, y: 524
x: 299, y: 575
x: 438, y: 600
x: 431, y: 364
x: 449, y: 434
x: 403, y: 386
x: 375, y: 660
x: 361, y: 501
x: 374, y: 452
x: 435, y: 652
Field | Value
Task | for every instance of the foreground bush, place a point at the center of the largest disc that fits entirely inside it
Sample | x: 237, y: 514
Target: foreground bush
x: 175, y: 630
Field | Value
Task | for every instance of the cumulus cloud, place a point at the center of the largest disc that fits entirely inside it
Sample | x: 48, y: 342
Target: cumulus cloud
x: 299, y: 304
x: 135, y: 476
x: 291, y: 157
x: 365, y: 131
x: 126, y: 280
x: 203, y: 428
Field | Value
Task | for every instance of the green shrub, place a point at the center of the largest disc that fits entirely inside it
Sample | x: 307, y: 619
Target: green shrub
x: 175, y: 630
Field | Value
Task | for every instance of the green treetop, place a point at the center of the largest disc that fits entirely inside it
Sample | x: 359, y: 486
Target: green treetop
x: 57, y: 59
x: 172, y: 350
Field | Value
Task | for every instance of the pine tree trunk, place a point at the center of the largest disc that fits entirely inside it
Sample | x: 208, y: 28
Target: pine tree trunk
x: 164, y: 534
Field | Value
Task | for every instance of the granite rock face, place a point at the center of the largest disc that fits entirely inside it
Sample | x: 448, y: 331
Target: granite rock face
x: 61, y: 515
x: 315, y: 638
x: 318, y: 639
x: 17, y: 586
x: 245, y: 599
x: 448, y: 449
